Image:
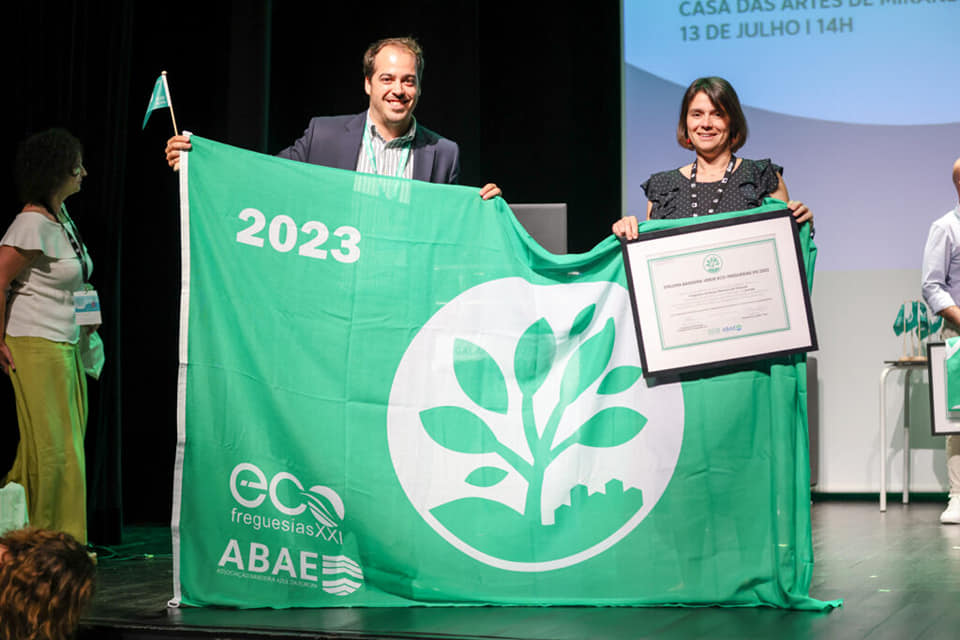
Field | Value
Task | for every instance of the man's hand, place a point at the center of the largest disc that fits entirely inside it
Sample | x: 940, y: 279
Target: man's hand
x: 489, y: 190
x: 175, y: 146
x: 951, y: 314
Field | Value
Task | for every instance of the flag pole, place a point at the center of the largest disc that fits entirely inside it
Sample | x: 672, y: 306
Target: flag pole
x: 166, y: 88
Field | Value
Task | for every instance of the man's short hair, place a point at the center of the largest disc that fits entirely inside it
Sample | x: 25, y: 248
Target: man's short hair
x: 723, y: 97
x: 407, y: 43
x: 46, y: 582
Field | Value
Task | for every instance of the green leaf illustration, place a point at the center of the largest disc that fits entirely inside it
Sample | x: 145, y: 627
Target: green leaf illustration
x: 586, y: 364
x: 610, y: 427
x: 582, y: 321
x: 619, y: 379
x: 458, y: 429
x: 534, y: 356
x: 485, y: 476
x: 479, y: 376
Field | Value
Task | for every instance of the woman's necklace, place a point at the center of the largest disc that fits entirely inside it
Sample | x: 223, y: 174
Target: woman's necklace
x: 720, y: 186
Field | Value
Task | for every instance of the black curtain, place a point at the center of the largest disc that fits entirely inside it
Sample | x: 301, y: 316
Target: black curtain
x: 71, y: 69
x: 530, y: 91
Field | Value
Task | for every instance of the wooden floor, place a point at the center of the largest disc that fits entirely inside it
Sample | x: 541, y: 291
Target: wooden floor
x: 898, y: 574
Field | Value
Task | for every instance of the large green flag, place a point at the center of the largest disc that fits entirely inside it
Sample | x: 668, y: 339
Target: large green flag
x: 391, y: 395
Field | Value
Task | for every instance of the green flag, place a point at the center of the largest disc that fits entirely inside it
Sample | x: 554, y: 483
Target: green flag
x: 390, y: 395
x: 928, y: 324
x: 158, y: 99
x: 936, y: 324
x: 900, y: 323
x: 923, y: 321
x: 910, y: 323
x: 952, y: 376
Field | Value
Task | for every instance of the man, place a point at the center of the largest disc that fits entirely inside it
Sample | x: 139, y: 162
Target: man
x: 384, y: 140
x: 941, y: 290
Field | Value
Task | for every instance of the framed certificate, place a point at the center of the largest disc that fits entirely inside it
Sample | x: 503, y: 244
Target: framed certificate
x: 718, y: 293
x: 942, y: 421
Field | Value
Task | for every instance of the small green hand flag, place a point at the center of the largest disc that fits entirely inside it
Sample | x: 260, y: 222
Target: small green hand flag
x: 926, y: 324
x: 159, y: 99
x: 911, y: 320
x: 899, y: 323
x: 915, y: 315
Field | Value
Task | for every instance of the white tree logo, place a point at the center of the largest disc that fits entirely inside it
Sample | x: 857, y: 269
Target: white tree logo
x: 520, y: 426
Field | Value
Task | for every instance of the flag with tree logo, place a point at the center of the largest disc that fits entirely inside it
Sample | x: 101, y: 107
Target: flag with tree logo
x: 390, y: 395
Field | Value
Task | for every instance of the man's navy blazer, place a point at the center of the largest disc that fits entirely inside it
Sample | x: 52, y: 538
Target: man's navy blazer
x: 335, y: 142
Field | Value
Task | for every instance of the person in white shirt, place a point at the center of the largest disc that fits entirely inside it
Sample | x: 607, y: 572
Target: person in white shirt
x: 941, y: 291
x: 43, y: 262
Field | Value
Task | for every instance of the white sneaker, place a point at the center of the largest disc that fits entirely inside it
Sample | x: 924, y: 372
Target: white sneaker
x: 951, y: 515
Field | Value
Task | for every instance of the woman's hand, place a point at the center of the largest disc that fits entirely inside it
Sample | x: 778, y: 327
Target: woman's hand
x: 6, y: 359
x: 13, y: 260
x: 800, y: 212
x: 626, y: 227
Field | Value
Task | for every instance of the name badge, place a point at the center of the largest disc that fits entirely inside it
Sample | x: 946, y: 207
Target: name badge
x: 86, y: 305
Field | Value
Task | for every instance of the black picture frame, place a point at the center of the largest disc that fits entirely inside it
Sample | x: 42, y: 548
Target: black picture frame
x: 779, y: 231
x: 942, y: 422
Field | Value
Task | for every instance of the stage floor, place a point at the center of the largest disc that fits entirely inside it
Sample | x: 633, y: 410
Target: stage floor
x: 898, y: 574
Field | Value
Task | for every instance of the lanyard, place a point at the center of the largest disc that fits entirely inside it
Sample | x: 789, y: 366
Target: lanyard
x: 75, y: 240
x: 372, y: 157
x: 720, y: 186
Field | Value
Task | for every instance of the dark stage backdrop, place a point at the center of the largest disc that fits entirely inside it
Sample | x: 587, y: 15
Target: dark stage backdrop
x: 531, y: 93
x: 69, y: 66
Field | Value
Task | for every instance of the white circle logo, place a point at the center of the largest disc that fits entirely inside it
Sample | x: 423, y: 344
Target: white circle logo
x: 521, y: 429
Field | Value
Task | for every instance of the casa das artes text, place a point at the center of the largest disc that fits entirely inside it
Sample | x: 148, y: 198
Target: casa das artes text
x: 690, y: 8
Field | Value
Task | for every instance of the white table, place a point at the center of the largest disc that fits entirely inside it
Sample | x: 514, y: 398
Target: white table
x: 908, y: 366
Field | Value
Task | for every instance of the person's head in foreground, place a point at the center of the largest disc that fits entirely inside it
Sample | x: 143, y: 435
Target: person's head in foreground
x: 46, y: 582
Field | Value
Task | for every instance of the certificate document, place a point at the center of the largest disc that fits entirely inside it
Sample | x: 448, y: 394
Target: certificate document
x: 719, y: 292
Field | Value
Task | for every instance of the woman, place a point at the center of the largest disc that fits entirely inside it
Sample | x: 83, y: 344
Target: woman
x: 712, y: 125
x: 43, y: 262
x: 46, y: 582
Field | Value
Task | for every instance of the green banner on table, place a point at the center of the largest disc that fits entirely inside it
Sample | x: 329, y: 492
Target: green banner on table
x: 391, y: 395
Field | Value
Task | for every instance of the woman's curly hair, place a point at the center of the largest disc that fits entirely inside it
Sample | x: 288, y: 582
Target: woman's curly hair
x: 46, y: 582
x: 44, y: 162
